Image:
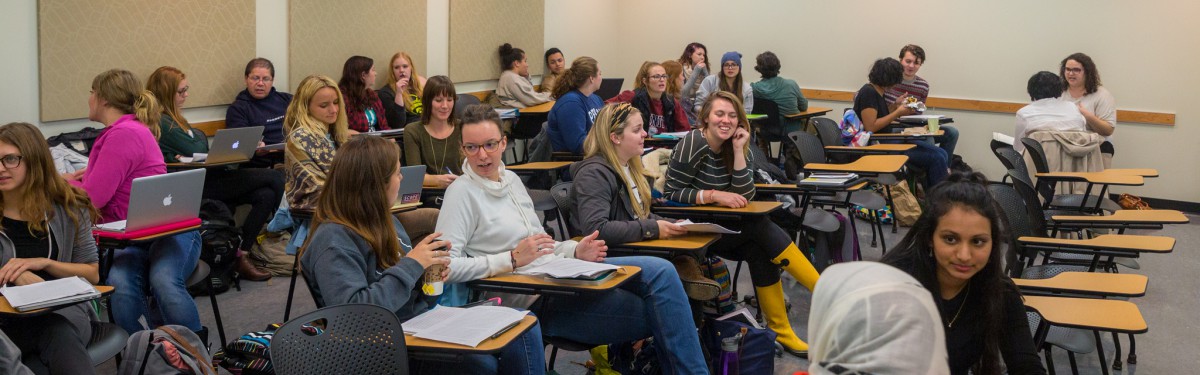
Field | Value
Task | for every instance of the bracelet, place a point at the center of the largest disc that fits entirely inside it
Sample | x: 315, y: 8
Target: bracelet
x: 512, y: 255
x: 701, y: 196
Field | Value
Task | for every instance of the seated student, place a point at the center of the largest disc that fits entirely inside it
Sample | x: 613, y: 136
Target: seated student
x: 555, y: 65
x: 870, y: 318
x: 728, y: 80
x: 612, y: 195
x: 784, y: 92
x: 401, y: 78
x: 573, y: 113
x: 675, y: 82
x: 695, y: 68
x: 127, y: 150
x: 434, y: 142
x: 1046, y: 112
x: 489, y: 220
x: 877, y: 116
x: 47, y: 235
x: 955, y: 251
x: 913, y: 86
x: 660, y: 112
x: 514, y: 89
x: 364, y: 110
x: 1082, y: 87
x: 359, y: 253
x: 711, y: 165
x: 261, y: 188
x: 260, y: 105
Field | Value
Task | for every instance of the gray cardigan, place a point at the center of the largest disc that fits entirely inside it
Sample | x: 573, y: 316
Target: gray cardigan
x: 711, y: 85
x: 75, y: 245
x: 340, y: 267
x: 602, y: 203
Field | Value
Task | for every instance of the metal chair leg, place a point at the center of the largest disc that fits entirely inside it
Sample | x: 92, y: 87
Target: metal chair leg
x: 1074, y: 366
x: 1116, y: 356
x: 212, y: 296
x: 287, y: 311
x: 553, y: 357
x: 1100, y: 351
x: 888, y: 189
x: 1132, y: 351
x: 1049, y: 360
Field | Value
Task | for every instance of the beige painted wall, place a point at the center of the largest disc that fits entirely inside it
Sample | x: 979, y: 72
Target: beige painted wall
x: 324, y: 34
x: 479, y: 27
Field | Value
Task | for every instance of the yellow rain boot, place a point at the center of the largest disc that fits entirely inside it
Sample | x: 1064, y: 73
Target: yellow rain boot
x: 796, y: 264
x: 774, y: 309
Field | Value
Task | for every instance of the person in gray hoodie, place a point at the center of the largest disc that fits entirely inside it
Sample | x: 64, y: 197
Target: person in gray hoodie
x: 358, y: 252
x: 46, y: 234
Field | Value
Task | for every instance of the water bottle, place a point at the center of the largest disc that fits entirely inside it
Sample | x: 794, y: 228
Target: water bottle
x: 728, y: 365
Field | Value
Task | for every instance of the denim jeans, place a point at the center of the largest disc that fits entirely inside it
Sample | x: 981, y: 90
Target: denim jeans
x: 932, y: 159
x: 948, y: 140
x: 652, y: 304
x: 524, y: 355
x: 165, y: 264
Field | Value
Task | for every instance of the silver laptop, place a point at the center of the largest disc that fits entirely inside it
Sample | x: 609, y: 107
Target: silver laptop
x: 236, y: 144
x: 160, y: 200
x: 410, y: 184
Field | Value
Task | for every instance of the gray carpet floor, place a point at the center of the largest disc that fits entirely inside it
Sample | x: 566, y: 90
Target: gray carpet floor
x: 1169, y: 308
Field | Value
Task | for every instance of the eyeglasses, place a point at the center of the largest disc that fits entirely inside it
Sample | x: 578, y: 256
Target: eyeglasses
x: 1074, y: 70
x: 658, y: 76
x: 729, y: 65
x: 489, y: 146
x: 184, y: 90
x: 11, y: 161
x: 256, y: 79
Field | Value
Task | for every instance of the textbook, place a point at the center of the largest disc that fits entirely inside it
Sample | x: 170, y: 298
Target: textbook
x: 829, y: 179
x: 62, y: 291
x: 741, y: 315
x: 463, y: 326
x: 566, y: 268
x: 706, y: 227
x: 507, y: 113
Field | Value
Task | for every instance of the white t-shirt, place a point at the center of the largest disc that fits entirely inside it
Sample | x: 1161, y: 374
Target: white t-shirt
x: 1047, y: 114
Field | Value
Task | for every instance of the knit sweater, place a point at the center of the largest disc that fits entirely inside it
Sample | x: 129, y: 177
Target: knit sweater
x: 174, y: 141
x: 515, y: 91
x: 695, y: 167
x: 307, y: 157
x: 124, y: 151
x: 484, y: 220
x: 917, y: 88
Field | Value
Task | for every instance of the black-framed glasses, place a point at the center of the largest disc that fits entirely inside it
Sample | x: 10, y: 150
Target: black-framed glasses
x: 658, y: 76
x: 11, y: 161
x: 489, y: 146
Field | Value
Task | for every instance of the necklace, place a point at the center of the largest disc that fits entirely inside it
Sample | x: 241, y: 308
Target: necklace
x: 445, y: 147
x: 960, y: 306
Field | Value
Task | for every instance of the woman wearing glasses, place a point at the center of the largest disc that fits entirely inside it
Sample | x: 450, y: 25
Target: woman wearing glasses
x: 661, y: 113
x: 489, y: 220
x: 260, y: 105
x: 1081, y: 85
x: 728, y: 80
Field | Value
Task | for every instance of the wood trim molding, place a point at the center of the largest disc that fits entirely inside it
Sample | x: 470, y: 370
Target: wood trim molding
x: 1157, y: 118
x: 210, y: 127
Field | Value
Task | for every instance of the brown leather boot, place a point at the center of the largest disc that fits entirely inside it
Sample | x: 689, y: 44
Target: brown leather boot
x: 695, y: 285
x: 249, y: 271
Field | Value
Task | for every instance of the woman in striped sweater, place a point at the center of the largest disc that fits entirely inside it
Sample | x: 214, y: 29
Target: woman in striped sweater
x: 711, y: 165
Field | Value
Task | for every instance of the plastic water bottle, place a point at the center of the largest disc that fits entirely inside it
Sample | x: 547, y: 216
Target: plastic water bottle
x: 728, y: 364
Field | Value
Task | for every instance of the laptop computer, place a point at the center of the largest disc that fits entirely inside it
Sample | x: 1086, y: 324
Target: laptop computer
x: 233, y: 145
x: 609, y: 87
x: 161, y: 200
x: 410, y: 183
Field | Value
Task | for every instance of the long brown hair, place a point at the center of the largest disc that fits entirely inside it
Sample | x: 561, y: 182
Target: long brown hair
x: 356, y: 90
x: 435, y: 86
x: 727, y: 147
x: 736, y: 87
x: 43, y: 186
x: 581, y: 70
x: 613, y: 119
x: 686, y: 57
x: 123, y: 92
x: 355, y: 195
x: 674, y: 69
x: 164, y: 84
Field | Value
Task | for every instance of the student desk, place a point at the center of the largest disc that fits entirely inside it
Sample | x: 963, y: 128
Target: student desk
x: 687, y: 243
x: 1104, y: 179
x: 1144, y: 172
x: 419, y: 348
x: 867, y: 166
x: 108, y: 242
x: 1125, y: 246
x: 540, y: 166
x: 1122, y: 220
x: 186, y: 166
x: 878, y: 137
x: 655, y: 142
x: 1089, y: 283
x: 812, y: 111
x: 1088, y: 314
x: 7, y: 311
x: 396, y: 134
x: 540, y: 109
x: 753, y: 208
x: 874, y: 149
x: 529, y: 284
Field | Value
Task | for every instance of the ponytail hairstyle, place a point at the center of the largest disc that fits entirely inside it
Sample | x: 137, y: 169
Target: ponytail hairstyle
x: 414, y: 85
x: 164, y: 84
x: 581, y: 70
x: 613, y: 119
x: 355, y: 196
x: 298, y: 117
x: 686, y: 57
x: 355, y: 90
x: 509, y: 55
x: 727, y: 147
x: 123, y: 91
x: 44, y: 187
x: 914, y: 254
x: 674, y: 70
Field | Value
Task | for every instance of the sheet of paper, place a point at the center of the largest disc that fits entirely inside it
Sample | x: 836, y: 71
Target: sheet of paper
x: 568, y: 268
x: 921, y: 117
x: 198, y: 157
x: 469, y: 326
x: 675, y: 134
x: 1003, y: 138
x: 48, y: 293
x: 705, y: 227
x: 115, y: 226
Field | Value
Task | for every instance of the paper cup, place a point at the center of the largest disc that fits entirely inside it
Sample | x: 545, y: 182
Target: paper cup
x: 432, y: 284
x: 933, y: 124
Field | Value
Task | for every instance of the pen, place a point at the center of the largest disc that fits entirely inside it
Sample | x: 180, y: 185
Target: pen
x: 448, y: 171
x: 502, y: 331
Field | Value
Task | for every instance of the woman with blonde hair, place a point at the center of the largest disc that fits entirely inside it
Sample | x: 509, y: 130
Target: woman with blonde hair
x: 712, y: 165
x: 261, y: 188
x: 661, y: 113
x: 315, y: 124
x: 47, y: 234
x: 401, y: 95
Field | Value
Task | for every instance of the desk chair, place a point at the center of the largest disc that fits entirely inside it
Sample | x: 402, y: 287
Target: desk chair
x: 107, y: 341
x: 1046, y: 189
x: 348, y: 339
x: 769, y: 130
x: 812, y: 151
x: 200, y: 275
x: 462, y: 101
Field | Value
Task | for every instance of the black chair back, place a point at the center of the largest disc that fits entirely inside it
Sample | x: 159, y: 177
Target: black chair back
x: 1037, y: 154
x: 1011, y: 160
x: 343, y: 339
x: 828, y: 130
x: 609, y: 87
x: 810, y: 148
x: 769, y: 129
x: 1019, y: 225
x: 462, y: 101
x: 561, y: 192
x: 1033, y: 207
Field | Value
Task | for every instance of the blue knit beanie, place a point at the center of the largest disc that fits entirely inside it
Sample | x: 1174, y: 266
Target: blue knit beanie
x: 732, y: 56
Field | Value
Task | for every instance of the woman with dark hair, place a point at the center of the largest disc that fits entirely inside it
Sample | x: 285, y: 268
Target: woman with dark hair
x: 572, y: 115
x: 871, y: 107
x: 728, y: 80
x: 261, y: 188
x: 955, y: 250
x: 784, y: 92
x: 555, y: 65
x: 364, y: 110
x: 660, y: 112
x: 1046, y: 112
x: 260, y: 105
x: 401, y: 95
x: 712, y: 165
x: 695, y: 68
x: 1081, y: 85
x: 359, y: 253
x: 434, y: 142
x: 515, y: 90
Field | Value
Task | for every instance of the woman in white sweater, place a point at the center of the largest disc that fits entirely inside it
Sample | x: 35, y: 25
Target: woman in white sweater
x: 489, y: 220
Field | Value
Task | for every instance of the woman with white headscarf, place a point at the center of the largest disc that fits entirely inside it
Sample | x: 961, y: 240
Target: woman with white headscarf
x: 871, y: 318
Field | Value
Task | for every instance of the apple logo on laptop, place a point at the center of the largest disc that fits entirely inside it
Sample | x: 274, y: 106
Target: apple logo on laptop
x: 167, y: 200
x: 235, y: 144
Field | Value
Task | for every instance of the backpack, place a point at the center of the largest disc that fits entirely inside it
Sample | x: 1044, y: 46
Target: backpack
x: 220, y: 240
x: 79, y: 141
x: 715, y: 269
x: 838, y: 246
x: 756, y: 350
x: 167, y: 350
x: 249, y: 354
x: 853, y: 132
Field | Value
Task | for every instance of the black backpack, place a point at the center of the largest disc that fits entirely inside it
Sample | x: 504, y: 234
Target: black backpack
x: 220, y: 240
x: 79, y: 141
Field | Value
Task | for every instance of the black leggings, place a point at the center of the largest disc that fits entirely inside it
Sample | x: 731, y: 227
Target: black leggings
x: 760, y: 242
x: 261, y: 188
x: 52, y: 341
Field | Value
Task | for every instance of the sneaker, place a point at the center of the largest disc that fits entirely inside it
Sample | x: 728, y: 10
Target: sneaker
x: 695, y: 285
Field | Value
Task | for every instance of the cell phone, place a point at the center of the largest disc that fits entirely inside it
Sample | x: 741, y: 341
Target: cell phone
x: 494, y: 301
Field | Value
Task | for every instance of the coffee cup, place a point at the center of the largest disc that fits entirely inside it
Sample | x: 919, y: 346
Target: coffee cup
x: 933, y: 124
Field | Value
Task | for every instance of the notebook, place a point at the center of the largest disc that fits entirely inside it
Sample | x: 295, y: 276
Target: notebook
x: 62, y: 291
x: 410, y: 183
x: 229, y: 145
x: 160, y: 200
